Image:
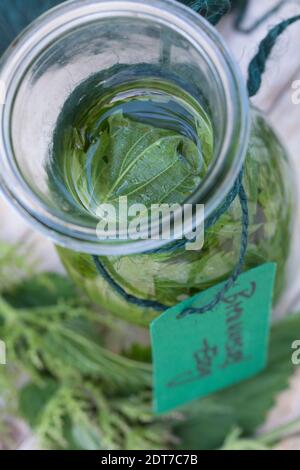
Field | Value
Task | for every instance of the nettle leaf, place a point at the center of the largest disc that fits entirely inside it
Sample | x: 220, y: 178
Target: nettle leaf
x: 244, y: 406
x: 41, y: 290
x: 83, y: 437
x: 146, y: 164
x: 34, y: 398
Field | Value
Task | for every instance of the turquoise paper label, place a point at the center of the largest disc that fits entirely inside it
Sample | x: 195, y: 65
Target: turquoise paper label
x: 196, y: 355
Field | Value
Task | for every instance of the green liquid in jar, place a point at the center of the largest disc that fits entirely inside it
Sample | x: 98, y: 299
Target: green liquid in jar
x: 151, y: 141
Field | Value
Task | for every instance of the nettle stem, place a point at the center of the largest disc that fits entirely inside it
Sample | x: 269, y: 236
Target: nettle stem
x: 287, y: 430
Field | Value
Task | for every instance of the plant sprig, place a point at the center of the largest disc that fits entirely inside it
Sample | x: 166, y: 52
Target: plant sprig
x: 80, y: 395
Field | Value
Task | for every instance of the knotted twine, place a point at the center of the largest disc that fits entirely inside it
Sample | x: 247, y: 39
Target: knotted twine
x: 213, y: 11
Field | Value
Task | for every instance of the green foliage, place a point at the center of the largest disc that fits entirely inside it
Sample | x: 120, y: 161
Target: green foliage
x: 80, y: 395
x: 40, y: 290
x: 13, y: 266
x: 235, y: 442
x: 33, y: 399
x: 243, y: 406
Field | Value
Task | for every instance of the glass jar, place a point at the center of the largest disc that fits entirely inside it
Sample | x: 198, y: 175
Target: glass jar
x: 159, y: 39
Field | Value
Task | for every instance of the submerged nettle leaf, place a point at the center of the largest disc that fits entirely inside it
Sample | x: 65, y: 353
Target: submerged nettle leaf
x: 145, y: 163
x: 154, y: 147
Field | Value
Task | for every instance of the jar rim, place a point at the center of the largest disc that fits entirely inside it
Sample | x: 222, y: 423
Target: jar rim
x: 61, y: 19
